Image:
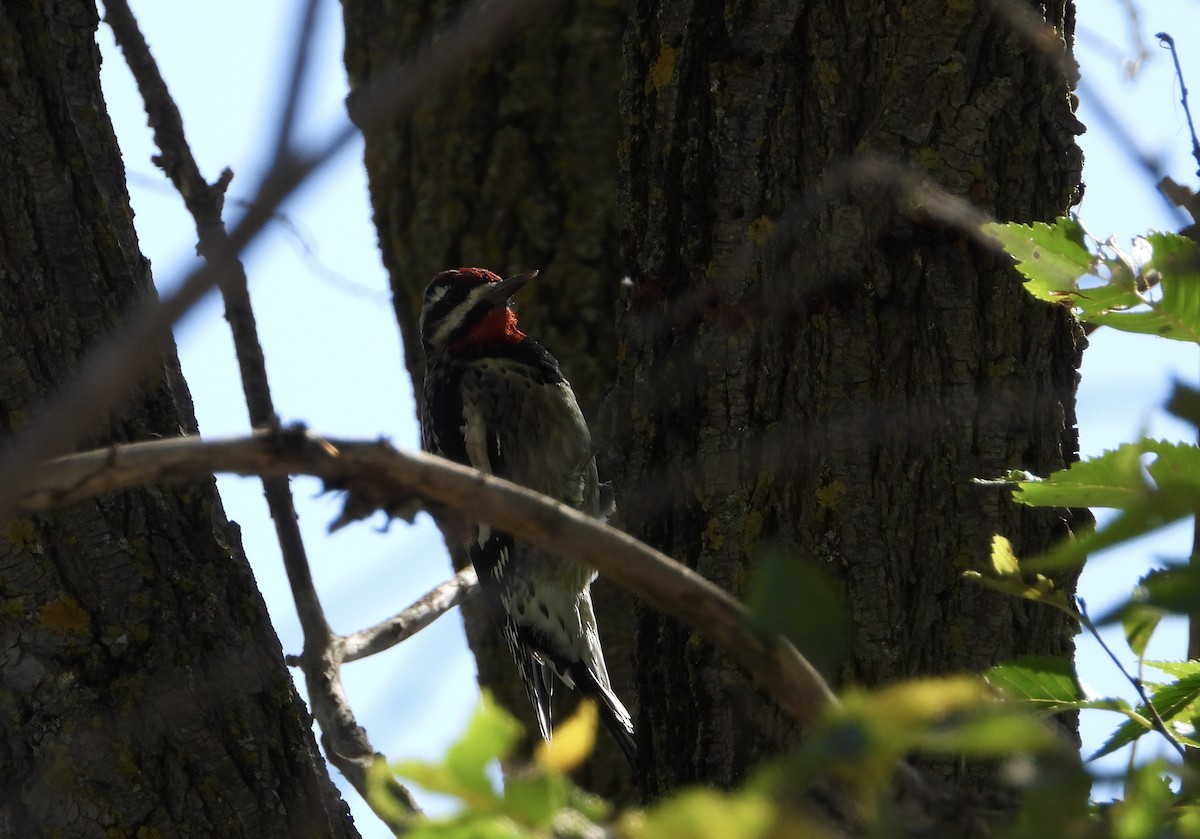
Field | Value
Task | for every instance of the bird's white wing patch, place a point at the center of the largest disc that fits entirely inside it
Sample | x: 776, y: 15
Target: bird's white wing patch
x: 475, y: 435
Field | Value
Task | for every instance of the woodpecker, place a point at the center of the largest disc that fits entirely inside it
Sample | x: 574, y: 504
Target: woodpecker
x: 496, y: 400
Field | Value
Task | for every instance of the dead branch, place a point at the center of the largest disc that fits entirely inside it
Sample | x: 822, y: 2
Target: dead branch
x: 379, y: 476
x: 428, y: 608
x: 404, y: 624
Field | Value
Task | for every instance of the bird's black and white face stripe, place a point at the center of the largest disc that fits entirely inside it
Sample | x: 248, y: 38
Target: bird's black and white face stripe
x: 456, y: 300
x: 453, y: 300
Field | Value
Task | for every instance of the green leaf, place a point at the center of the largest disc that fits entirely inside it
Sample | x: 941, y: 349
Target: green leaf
x: 1051, y: 256
x: 1048, y: 685
x: 431, y: 776
x: 387, y: 797
x: 1178, y: 669
x: 1043, y: 681
x: 1041, y: 590
x: 1130, y: 524
x: 1004, y: 559
x: 707, y: 814
x: 863, y: 738
x: 535, y: 798
x: 1126, y: 733
x: 1153, y: 482
x: 1184, y: 403
x: 1148, y: 802
x: 1176, y: 314
x: 1053, y: 802
x: 573, y: 742
x: 1010, y: 479
x: 1120, y: 478
x: 953, y: 714
x: 861, y: 742
x: 589, y: 805
x: 1187, y: 818
x: 1112, y: 479
x: 1161, y: 297
x: 491, y: 734
x: 1139, y: 622
x: 790, y: 595
x: 534, y: 802
x: 1007, y: 577
x: 468, y: 826
x: 1175, y: 468
x: 1165, y: 591
x: 1172, y: 700
x: 1000, y: 733
x: 1108, y: 703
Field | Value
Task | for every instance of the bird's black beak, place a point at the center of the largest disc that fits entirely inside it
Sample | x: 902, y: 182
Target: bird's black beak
x: 500, y: 292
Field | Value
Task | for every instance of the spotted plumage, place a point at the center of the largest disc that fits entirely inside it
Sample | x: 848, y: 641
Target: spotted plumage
x: 496, y: 400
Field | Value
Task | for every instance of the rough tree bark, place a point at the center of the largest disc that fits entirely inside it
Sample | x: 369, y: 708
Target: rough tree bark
x: 806, y: 361
x: 512, y: 168
x: 142, y: 686
x: 809, y: 361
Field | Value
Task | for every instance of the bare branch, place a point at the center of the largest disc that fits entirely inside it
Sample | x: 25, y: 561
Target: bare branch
x: 1156, y: 720
x: 1166, y: 39
x: 380, y: 476
x: 431, y: 606
x: 400, y: 627
x: 284, y: 134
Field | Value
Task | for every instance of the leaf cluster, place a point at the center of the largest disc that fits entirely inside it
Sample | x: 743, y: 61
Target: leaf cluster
x: 1154, y: 290
x: 859, y: 746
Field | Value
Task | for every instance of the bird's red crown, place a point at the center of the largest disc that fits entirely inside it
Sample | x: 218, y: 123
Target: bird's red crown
x: 498, y: 324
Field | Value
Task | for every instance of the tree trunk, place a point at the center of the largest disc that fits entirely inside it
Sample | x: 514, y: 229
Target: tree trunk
x: 812, y: 363
x: 512, y: 167
x: 142, y: 686
x: 807, y: 362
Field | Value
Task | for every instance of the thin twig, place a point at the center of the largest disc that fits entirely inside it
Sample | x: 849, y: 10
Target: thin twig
x: 1155, y: 719
x: 1183, y: 94
x: 378, y: 476
x: 400, y: 627
x: 301, y: 50
x: 428, y: 608
x: 306, y: 250
x: 305, y: 243
x: 1133, y: 27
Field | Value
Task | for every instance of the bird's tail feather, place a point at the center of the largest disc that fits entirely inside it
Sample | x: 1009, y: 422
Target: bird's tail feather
x: 613, y: 714
x: 540, y: 687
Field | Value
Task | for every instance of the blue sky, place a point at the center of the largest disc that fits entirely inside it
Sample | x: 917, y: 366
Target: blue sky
x: 334, y: 354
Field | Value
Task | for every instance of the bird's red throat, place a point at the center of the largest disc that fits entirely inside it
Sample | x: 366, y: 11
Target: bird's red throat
x: 497, y: 326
